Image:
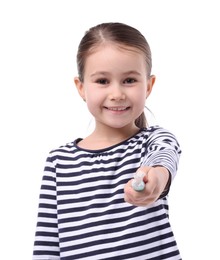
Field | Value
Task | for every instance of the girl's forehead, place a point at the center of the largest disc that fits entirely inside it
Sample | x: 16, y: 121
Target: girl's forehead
x: 114, y: 45
x: 111, y: 53
x: 115, y: 59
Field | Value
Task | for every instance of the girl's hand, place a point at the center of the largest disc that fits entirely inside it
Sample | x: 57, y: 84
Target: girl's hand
x: 155, y: 180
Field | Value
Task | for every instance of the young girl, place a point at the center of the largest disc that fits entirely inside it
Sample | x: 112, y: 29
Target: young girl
x: 89, y: 207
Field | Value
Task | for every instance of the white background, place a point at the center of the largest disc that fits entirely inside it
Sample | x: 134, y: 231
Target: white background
x: 41, y: 110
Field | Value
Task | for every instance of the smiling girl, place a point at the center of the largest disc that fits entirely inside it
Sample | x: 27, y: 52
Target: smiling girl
x: 88, y: 207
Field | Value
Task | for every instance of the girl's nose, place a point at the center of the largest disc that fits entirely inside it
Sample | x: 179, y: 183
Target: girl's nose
x: 117, y: 93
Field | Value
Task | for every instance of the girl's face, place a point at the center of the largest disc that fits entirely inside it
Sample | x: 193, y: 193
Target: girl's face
x: 115, y: 85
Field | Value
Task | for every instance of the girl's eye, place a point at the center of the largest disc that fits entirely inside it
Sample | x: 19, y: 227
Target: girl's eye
x: 102, y: 81
x: 129, y: 81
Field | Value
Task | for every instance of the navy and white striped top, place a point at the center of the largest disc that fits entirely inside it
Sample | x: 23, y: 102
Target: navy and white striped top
x: 82, y: 212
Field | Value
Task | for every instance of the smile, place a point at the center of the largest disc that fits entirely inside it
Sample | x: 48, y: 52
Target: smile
x: 117, y: 108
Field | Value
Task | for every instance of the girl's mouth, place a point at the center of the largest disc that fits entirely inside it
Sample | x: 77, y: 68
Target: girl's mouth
x: 117, y: 108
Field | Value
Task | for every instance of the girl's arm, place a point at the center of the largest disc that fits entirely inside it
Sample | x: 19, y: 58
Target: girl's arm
x: 46, y: 245
x: 160, y: 165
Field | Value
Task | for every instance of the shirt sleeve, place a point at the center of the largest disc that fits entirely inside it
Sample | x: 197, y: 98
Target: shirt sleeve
x: 46, y: 244
x: 163, y: 149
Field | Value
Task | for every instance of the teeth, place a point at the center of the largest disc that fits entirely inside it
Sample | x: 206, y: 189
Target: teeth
x: 117, y: 108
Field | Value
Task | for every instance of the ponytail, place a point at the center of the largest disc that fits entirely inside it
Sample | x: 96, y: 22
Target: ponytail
x: 141, y: 121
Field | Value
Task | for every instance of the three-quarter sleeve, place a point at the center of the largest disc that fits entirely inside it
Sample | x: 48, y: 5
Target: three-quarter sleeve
x: 163, y: 149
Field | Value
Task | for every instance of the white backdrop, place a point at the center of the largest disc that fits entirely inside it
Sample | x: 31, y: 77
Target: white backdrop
x: 41, y: 110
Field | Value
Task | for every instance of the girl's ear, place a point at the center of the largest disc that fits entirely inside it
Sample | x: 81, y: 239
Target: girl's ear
x: 80, y: 88
x: 150, y: 84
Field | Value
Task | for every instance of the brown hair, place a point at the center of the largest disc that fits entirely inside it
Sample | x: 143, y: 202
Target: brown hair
x: 121, y: 34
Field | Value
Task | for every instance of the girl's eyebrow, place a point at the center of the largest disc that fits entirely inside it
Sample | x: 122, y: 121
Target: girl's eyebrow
x: 132, y: 72
x: 105, y: 73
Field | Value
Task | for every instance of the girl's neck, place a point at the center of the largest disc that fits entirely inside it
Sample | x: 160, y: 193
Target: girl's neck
x: 103, y: 137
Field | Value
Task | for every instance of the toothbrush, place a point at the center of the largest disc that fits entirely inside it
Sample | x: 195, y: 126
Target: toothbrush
x: 138, y: 183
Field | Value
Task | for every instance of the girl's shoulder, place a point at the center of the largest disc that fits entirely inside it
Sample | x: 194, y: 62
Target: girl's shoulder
x: 157, y: 132
x: 66, y: 148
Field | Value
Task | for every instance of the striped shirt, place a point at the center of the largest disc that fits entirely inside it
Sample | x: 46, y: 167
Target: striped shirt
x: 82, y: 213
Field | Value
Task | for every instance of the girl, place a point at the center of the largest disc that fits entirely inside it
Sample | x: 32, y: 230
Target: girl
x: 88, y: 207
